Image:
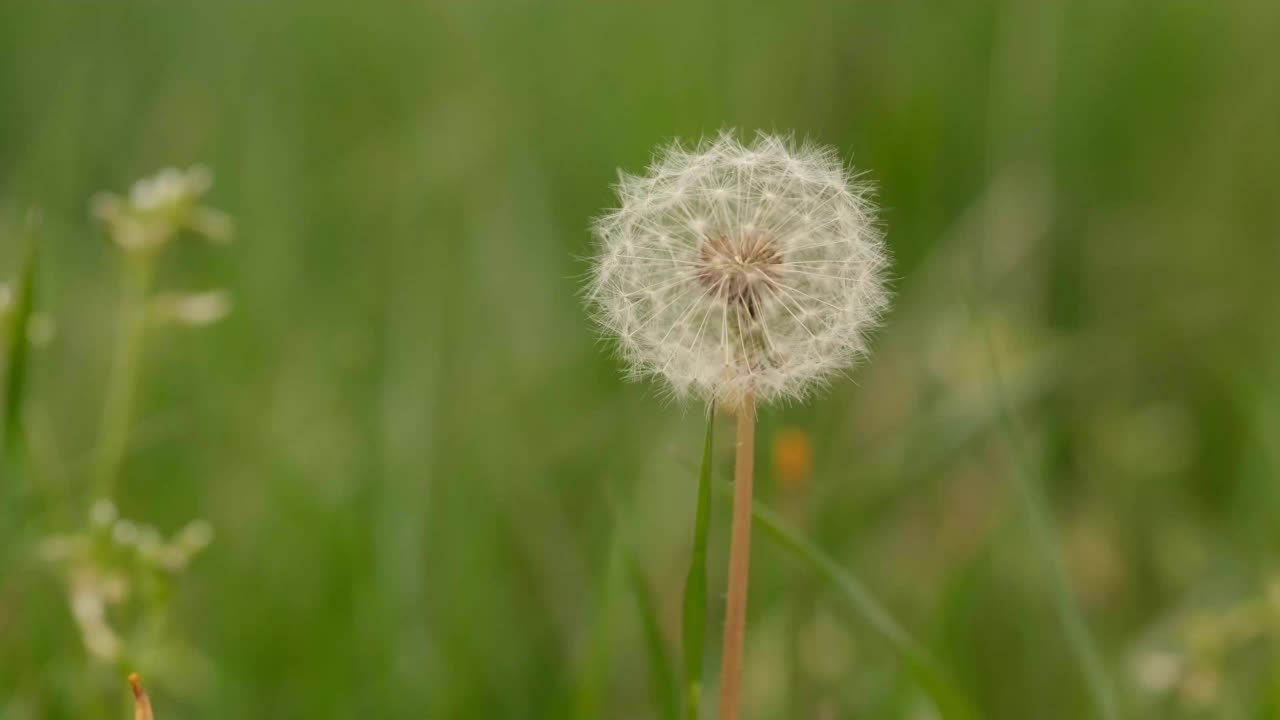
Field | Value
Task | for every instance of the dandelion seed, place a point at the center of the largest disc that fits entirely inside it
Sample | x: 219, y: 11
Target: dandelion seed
x: 737, y: 268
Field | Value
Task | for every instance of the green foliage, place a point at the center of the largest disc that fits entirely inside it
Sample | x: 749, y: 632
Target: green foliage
x: 694, y: 633
x: 17, y: 325
x: 1085, y: 650
x: 661, y: 676
x: 927, y: 671
x: 401, y: 432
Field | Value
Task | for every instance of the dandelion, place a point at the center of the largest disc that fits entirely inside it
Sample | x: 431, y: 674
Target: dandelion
x: 733, y: 270
x: 740, y: 273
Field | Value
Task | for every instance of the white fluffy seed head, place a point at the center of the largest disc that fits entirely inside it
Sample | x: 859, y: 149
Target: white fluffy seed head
x: 736, y: 268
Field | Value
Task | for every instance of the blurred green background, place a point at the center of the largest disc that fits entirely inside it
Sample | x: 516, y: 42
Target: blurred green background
x: 420, y: 461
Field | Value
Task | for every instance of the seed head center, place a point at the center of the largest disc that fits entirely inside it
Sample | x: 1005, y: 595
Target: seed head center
x: 739, y: 269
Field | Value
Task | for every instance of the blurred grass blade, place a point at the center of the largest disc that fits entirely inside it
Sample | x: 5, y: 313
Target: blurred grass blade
x: 950, y: 702
x: 622, y: 559
x: 590, y: 690
x: 1083, y: 646
x: 695, y: 587
x: 661, y: 677
x: 16, y: 347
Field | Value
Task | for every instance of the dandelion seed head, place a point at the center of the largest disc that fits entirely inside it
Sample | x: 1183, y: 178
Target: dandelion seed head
x: 734, y: 268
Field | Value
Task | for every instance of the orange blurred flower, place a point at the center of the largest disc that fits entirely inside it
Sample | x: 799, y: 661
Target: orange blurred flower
x: 792, y: 458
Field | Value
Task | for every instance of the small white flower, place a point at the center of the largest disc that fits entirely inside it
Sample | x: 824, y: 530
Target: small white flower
x: 91, y: 592
x: 125, y: 532
x: 160, y: 206
x: 1158, y: 671
x: 191, y: 309
x: 59, y: 548
x: 103, y: 513
x: 168, y: 188
x: 196, y: 536
x: 732, y: 269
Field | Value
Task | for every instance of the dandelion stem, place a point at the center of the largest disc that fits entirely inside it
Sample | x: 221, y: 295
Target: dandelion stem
x: 735, y: 619
x: 117, y: 409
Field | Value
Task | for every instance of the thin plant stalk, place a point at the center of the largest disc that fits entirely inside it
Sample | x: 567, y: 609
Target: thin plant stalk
x: 950, y: 701
x: 695, y: 588
x: 117, y: 410
x: 735, y: 618
x: 623, y: 559
x: 15, y: 367
x: 141, y: 703
x: 1034, y: 505
x: 661, y: 678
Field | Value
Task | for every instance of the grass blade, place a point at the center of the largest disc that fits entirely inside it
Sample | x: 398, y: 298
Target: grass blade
x: 1087, y: 655
x: 661, y: 677
x: 16, y: 348
x: 623, y: 559
x: 695, y: 587
x: 951, y: 703
x: 589, y: 691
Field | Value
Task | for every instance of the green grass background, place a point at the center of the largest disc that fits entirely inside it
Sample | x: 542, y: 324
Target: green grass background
x: 407, y: 435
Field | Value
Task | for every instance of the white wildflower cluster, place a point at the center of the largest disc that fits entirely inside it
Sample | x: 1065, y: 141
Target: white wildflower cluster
x: 160, y: 207
x: 155, y: 212
x: 1207, y: 650
x: 733, y: 269
x: 102, y: 564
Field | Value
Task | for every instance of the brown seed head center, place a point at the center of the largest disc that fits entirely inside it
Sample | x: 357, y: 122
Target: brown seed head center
x: 739, y: 270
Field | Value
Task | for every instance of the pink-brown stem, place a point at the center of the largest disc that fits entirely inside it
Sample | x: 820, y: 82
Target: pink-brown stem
x: 735, y: 616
